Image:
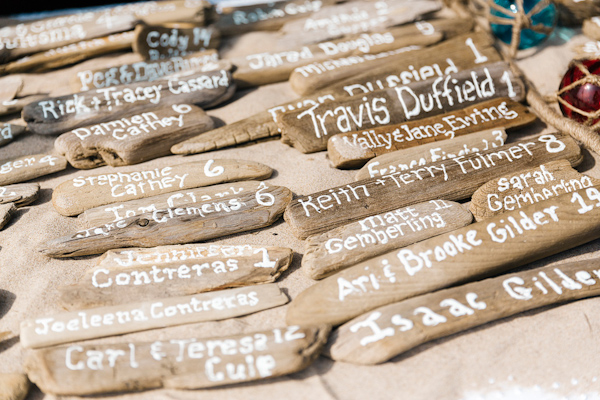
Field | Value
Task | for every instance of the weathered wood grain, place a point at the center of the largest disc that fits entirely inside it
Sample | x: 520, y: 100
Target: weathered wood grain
x: 133, y: 138
x: 122, y: 276
x: 6, y: 212
x: 529, y: 186
x: 66, y: 370
x: 101, y: 215
x: 353, y: 149
x: 63, y: 113
x: 479, y: 250
x: 137, y: 316
x: 396, y: 328
x: 20, y: 194
x: 8, y: 132
x: 418, y: 156
x: 229, y: 215
x: 81, y: 193
x: 25, y: 168
x: 451, y: 179
x: 346, y: 245
x: 308, y: 130
x: 14, y: 386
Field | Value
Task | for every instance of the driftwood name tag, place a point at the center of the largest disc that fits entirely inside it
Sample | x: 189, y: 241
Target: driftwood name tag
x: 176, y: 225
x: 403, y: 160
x: 21, y: 194
x: 352, y: 149
x: 396, y: 328
x: 114, y: 212
x: 485, y: 248
x: 157, y: 42
x: 133, y: 138
x: 349, y: 244
x: 6, y: 212
x: 309, y: 129
x: 144, y: 274
x: 8, y: 132
x: 142, y: 71
x: 61, y: 114
x: 521, y: 188
x: 133, y: 317
x: 177, y: 363
x: 84, y: 192
x: 451, y: 179
x: 25, y: 168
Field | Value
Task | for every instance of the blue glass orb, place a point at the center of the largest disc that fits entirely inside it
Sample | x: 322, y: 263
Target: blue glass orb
x: 529, y: 38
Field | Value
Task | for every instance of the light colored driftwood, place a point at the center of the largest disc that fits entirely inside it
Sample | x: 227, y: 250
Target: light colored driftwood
x: 346, y: 245
x: 525, y: 187
x: 20, y: 194
x: 16, y: 105
x: 84, y: 369
x: 229, y: 215
x: 8, y: 132
x: 14, y: 386
x: 137, y: 316
x: 6, y: 212
x: 121, y: 276
x: 482, y: 249
x: 133, y: 138
x: 143, y: 71
x: 60, y: 114
x: 81, y: 193
x: 173, y: 39
x: 418, y: 156
x: 591, y: 28
x: 21, y: 169
x: 452, y: 179
x: 391, y: 330
x: 352, y: 149
x: 189, y: 197
x: 308, y: 130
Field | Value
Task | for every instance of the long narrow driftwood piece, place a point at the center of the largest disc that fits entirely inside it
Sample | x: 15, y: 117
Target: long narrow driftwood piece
x: 21, y: 194
x: 173, y: 39
x: 21, y: 169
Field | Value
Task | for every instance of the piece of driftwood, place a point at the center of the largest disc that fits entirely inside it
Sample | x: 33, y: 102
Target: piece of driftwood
x: 479, y: 250
x: 173, y: 39
x: 136, y: 316
x: 346, y: 245
x: 7, y: 210
x: 81, y: 193
x: 143, y: 71
x: 309, y: 129
x: 525, y: 187
x: 177, y: 363
x: 591, y: 28
x: 350, y: 18
x: 14, y: 386
x: 60, y: 114
x: 8, y: 132
x: 145, y: 274
x: 574, y: 12
x: 20, y: 194
x: 133, y: 138
x: 264, y: 124
x: 388, y: 331
x: 235, y: 20
x: 455, y: 53
x: 21, y: 169
x: 418, y: 156
x: 229, y: 215
x: 353, y: 149
x: 451, y: 179
x: 114, y: 212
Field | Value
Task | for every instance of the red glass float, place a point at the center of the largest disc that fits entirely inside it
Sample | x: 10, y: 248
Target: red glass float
x: 580, y: 88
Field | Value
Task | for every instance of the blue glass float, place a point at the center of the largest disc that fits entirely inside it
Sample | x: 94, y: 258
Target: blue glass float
x: 547, y: 16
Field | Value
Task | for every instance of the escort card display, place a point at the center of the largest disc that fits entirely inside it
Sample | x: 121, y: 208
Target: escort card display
x: 391, y: 330
x: 143, y: 274
x: 485, y: 248
x: 521, y: 188
x: 177, y: 225
x: 21, y: 169
x: 76, y: 195
x: 156, y: 313
x: 60, y: 114
x: 451, y: 179
x: 353, y: 149
x: 349, y: 244
x: 133, y: 138
x: 176, y: 363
